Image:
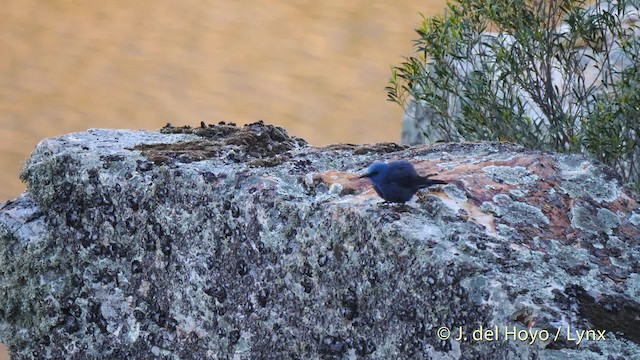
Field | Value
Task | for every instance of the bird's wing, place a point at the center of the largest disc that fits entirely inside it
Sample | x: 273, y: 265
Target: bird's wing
x: 378, y: 191
x: 405, y: 175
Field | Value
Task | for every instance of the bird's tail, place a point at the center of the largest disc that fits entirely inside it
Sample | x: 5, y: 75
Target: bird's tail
x: 426, y: 182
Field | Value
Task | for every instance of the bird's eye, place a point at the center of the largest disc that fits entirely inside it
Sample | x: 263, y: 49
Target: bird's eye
x: 374, y: 173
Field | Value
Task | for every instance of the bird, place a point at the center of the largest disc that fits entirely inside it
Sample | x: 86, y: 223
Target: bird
x: 397, y: 181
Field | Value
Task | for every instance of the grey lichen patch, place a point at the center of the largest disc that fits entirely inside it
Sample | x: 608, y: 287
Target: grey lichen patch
x: 510, y: 174
x: 593, y: 185
x: 507, y: 232
x: 586, y: 217
x: 608, y: 219
x: 635, y: 219
x: 633, y: 286
x: 455, y: 192
x: 518, y: 213
x: 488, y: 207
x: 571, y: 162
x: 336, y: 189
x: 50, y: 165
x: 477, y: 286
x: 518, y: 192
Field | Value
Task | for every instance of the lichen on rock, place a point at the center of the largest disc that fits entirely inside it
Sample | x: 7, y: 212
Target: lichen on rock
x: 243, y: 242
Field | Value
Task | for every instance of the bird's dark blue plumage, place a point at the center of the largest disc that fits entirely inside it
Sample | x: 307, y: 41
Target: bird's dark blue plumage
x: 397, y: 181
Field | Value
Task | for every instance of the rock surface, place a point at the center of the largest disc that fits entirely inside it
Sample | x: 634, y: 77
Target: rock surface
x: 244, y: 243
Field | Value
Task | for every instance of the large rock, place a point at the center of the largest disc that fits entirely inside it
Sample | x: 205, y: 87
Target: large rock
x: 223, y: 242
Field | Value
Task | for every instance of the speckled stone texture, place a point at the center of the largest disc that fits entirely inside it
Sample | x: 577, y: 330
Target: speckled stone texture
x: 223, y: 242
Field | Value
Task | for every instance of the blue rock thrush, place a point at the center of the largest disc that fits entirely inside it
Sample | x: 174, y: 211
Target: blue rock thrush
x: 397, y: 181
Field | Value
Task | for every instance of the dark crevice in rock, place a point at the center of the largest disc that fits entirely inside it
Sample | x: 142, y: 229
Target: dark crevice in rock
x: 614, y: 313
